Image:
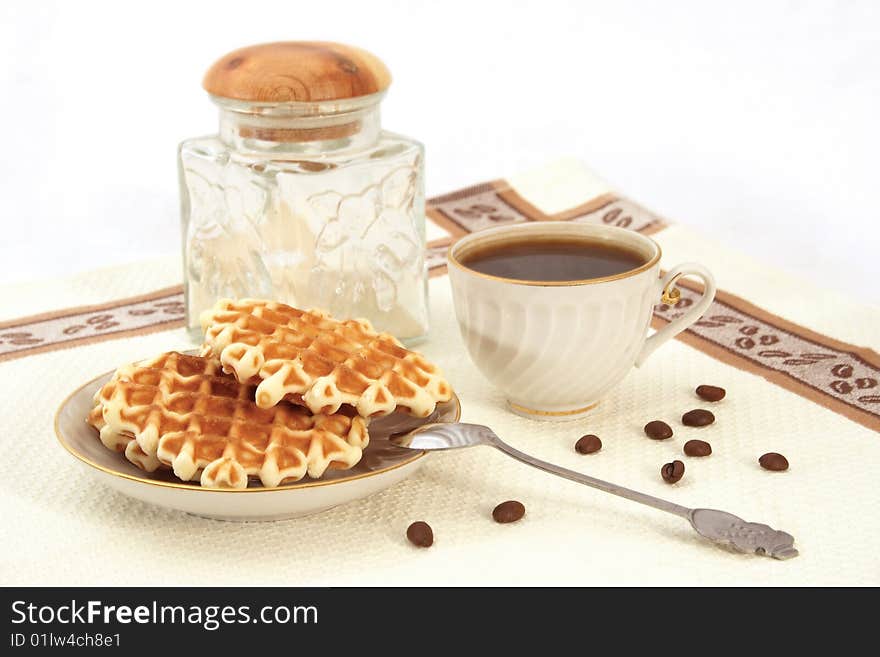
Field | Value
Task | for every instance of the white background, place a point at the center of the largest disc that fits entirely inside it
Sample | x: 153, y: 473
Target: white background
x: 754, y: 122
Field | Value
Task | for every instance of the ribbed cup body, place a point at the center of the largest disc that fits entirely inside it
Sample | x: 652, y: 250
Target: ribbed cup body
x: 555, y: 349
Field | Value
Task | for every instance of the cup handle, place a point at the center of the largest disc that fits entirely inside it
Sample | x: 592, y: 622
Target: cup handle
x: 670, y: 295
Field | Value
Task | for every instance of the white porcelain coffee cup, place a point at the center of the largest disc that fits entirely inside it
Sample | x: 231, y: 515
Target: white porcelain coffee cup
x: 555, y: 348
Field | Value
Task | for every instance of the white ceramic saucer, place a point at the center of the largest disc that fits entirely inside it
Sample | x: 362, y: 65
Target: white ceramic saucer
x: 382, y: 465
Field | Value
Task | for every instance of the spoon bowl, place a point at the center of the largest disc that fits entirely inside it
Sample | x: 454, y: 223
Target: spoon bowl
x: 442, y: 436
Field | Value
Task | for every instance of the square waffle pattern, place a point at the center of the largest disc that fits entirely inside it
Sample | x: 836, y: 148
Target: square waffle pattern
x: 180, y: 411
x: 122, y: 441
x: 308, y: 358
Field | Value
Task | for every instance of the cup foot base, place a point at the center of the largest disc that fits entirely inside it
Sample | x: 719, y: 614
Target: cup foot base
x: 554, y: 415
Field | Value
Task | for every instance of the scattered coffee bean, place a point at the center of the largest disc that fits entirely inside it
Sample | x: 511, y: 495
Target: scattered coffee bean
x: 420, y: 533
x: 672, y: 472
x: 509, y: 511
x: 773, y: 461
x: 711, y: 393
x: 697, y: 448
x: 658, y: 430
x: 588, y: 444
x: 697, y: 418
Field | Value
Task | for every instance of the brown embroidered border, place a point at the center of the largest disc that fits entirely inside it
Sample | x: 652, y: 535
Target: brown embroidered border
x: 157, y: 311
x: 147, y: 313
x: 82, y: 310
x: 496, y: 203
x: 839, y: 376
x: 834, y: 374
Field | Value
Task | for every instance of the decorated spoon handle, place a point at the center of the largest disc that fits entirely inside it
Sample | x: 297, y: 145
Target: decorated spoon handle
x: 719, y: 526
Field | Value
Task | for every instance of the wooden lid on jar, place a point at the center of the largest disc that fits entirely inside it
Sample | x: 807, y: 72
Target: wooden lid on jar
x: 296, y: 71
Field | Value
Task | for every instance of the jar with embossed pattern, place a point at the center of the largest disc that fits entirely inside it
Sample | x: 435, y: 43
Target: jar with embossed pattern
x: 302, y: 197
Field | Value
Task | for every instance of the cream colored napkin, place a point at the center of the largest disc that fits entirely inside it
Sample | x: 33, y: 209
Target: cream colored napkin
x: 62, y: 528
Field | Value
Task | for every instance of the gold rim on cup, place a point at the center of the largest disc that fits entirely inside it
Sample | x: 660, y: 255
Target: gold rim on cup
x: 452, y: 258
x: 533, y: 411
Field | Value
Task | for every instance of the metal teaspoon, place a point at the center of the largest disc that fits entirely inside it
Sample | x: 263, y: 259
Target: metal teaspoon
x: 719, y: 526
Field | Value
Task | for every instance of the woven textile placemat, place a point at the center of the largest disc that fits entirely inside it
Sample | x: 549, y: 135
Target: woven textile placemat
x: 800, y: 366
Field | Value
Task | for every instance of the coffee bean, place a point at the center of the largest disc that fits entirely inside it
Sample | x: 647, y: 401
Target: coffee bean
x: 588, y: 444
x: 697, y: 418
x: 672, y: 472
x: 697, y: 448
x: 711, y: 393
x: 773, y: 461
x: 658, y: 430
x: 509, y: 511
x: 420, y: 533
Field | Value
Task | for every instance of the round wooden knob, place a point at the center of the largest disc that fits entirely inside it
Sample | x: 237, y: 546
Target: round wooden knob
x: 301, y: 71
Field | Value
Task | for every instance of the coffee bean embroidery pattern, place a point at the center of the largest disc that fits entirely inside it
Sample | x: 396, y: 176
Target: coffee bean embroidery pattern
x: 844, y: 376
x: 613, y: 218
x: 175, y: 308
x: 96, y: 322
x: 622, y: 213
x: 846, y: 383
x: 19, y: 338
x: 683, y: 302
x: 479, y: 210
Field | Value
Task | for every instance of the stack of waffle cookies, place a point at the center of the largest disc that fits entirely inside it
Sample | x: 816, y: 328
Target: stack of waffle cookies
x: 276, y: 394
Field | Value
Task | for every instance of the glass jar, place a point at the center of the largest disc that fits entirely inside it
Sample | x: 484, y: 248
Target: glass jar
x: 308, y: 202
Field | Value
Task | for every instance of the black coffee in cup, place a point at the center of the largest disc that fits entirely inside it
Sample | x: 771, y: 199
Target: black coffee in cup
x: 551, y: 259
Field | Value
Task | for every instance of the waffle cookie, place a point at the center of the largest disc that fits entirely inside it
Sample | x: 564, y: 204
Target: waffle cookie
x: 308, y: 358
x: 122, y: 441
x: 180, y: 411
